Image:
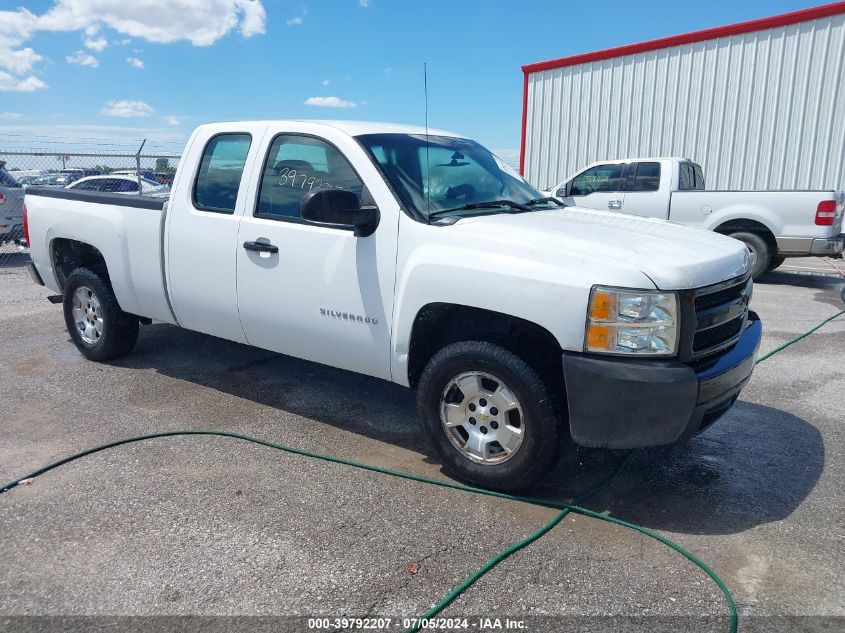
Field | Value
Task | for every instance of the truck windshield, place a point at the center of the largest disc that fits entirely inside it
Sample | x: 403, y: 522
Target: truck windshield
x: 442, y: 175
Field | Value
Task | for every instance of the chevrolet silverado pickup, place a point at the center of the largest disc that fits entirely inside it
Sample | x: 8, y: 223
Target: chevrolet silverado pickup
x: 774, y: 224
x: 421, y: 258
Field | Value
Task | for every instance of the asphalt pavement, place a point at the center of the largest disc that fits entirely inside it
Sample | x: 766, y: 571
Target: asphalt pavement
x: 182, y: 529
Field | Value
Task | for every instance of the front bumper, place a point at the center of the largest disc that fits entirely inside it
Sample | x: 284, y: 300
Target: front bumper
x: 828, y: 245
x: 625, y: 403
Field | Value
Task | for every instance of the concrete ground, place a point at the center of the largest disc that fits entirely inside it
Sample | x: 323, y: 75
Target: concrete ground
x: 206, y: 526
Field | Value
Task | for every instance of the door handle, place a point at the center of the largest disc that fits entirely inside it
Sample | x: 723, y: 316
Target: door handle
x: 261, y: 247
x: 614, y: 204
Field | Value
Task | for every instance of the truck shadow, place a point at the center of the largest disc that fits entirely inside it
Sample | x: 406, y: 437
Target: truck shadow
x: 754, y: 466
x: 829, y: 285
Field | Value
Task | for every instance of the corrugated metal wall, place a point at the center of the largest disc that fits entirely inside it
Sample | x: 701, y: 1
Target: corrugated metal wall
x: 762, y: 110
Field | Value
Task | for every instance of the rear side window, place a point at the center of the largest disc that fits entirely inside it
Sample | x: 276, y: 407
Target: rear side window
x: 596, y: 179
x: 219, y: 176
x: 6, y: 179
x: 296, y: 165
x: 647, y: 177
x: 89, y: 185
x: 691, y: 177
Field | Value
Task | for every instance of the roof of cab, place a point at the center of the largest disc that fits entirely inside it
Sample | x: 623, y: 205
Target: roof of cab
x: 357, y: 128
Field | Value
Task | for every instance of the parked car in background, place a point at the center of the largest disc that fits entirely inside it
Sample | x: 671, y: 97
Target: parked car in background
x: 46, y: 180
x: 116, y: 183
x: 11, y: 207
x: 149, y: 175
x: 419, y: 257
x: 774, y: 224
x: 165, y: 177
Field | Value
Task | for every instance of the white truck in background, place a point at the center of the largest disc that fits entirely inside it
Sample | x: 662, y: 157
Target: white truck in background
x: 418, y: 257
x: 774, y: 224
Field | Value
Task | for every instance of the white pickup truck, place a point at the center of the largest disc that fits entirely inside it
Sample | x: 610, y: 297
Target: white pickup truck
x: 774, y: 224
x: 422, y: 259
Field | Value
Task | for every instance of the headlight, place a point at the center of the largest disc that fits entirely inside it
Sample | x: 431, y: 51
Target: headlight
x: 637, y: 322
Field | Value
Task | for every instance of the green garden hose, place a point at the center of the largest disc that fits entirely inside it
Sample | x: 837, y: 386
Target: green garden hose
x: 564, y: 508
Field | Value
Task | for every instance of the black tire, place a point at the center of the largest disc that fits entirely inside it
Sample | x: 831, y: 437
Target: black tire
x: 119, y: 329
x: 760, y: 249
x: 539, y: 449
x: 774, y: 262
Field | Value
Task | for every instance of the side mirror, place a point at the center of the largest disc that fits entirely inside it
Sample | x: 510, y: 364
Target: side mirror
x: 339, y: 208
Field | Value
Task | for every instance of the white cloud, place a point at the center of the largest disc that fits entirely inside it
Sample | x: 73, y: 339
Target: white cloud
x: 126, y: 109
x: 82, y: 59
x: 364, y: 3
x: 298, y: 19
x: 330, y: 102
x: 9, y: 83
x: 97, y: 45
x: 18, y: 62
x: 173, y: 121
x: 5, y: 116
x: 135, y: 62
x: 201, y: 22
x: 325, y: 82
x: 388, y: 71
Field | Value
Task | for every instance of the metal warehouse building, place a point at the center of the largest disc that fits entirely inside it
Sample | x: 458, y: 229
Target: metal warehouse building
x: 761, y: 104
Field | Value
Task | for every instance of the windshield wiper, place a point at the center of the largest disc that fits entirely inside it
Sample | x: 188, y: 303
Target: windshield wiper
x: 516, y: 206
x: 546, y: 199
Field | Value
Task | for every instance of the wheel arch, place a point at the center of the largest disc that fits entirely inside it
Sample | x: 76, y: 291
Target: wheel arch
x: 439, y: 324
x: 747, y: 225
x: 67, y: 254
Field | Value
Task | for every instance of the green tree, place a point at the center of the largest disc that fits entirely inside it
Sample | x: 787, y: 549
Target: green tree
x: 162, y: 164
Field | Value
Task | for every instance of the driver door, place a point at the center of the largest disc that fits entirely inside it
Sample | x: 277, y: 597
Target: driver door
x: 599, y: 187
x: 310, y: 290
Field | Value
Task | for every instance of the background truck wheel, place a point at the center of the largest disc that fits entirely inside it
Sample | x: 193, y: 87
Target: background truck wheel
x: 775, y: 261
x: 759, y: 249
x: 488, y: 415
x: 99, y: 328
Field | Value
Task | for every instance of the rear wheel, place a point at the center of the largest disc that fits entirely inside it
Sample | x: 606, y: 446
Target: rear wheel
x: 488, y: 415
x: 761, y: 253
x: 96, y: 324
x: 775, y: 262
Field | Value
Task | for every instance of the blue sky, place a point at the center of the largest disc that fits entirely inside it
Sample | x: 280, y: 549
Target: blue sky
x: 156, y: 68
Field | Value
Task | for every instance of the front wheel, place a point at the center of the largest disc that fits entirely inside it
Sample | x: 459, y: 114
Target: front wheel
x: 488, y: 415
x: 96, y: 324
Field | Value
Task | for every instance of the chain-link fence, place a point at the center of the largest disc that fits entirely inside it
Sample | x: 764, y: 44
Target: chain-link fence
x: 115, y: 172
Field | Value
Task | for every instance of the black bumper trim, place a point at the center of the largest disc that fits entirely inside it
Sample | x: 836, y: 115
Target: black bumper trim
x: 626, y: 403
x: 34, y: 274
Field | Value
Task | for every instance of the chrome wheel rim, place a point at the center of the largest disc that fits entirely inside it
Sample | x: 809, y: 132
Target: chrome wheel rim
x: 87, y: 315
x: 482, y: 418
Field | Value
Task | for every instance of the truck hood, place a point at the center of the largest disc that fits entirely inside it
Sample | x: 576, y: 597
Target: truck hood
x: 673, y: 256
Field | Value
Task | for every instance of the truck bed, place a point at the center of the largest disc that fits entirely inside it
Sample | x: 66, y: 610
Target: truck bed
x: 126, y: 229
x: 789, y: 215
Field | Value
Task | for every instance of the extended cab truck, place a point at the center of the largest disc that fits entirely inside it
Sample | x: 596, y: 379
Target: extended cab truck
x: 774, y: 224
x: 424, y: 260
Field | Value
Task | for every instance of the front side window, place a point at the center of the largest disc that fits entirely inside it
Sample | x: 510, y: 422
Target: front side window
x: 597, y: 179
x: 298, y: 164
x: 219, y: 175
x: 647, y: 177
x: 437, y: 175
